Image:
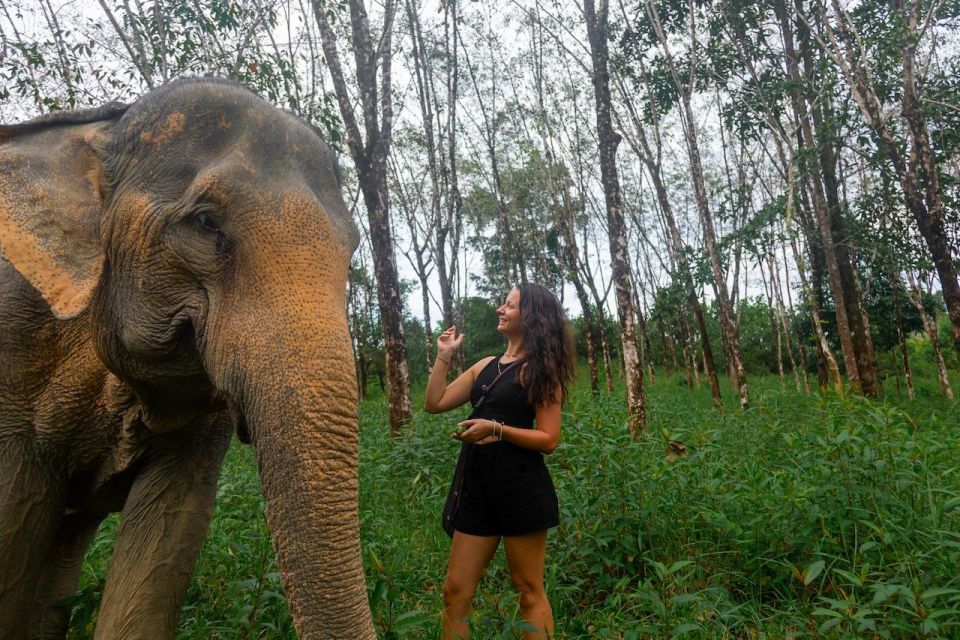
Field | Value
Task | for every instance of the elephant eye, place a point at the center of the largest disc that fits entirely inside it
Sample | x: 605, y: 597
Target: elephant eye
x: 206, y: 222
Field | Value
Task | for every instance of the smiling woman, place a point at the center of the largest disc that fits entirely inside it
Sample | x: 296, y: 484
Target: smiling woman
x: 503, y: 489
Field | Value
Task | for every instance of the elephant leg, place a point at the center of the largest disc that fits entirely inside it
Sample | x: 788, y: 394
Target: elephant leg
x: 164, y: 522
x: 62, y: 572
x: 31, y: 505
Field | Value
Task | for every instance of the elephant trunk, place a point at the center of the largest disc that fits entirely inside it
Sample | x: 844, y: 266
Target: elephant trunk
x: 307, y: 449
x: 298, y: 395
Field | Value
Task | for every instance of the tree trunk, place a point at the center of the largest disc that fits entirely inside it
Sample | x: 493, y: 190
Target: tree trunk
x: 454, y: 220
x: 842, y: 242
x: 901, y: 334
x: 426, y: 95
x: 832, y: 371
x: 601, y: 325
x: 931, y: 326
x: 774, y: 325
x: 646, y: 353
x: 370, y: 158
x: 728, y: 322
x: 814, y: 187
x: 596, y: 22
x: 677, y: 247
x: 427, y: 329
x: 917, y: 171
x: 801, y: 349
x: 571, y: 258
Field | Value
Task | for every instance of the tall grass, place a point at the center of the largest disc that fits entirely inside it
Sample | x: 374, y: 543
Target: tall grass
x: 833, y: 517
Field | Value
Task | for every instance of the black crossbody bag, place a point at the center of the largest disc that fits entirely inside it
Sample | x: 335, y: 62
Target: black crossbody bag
x: 452, y: 505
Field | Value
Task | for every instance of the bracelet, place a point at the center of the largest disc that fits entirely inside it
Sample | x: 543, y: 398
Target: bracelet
x: 496, y: 424
x: 446, y: 362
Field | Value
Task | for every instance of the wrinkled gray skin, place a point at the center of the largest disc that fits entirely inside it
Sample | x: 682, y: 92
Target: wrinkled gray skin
x: 172, y: 271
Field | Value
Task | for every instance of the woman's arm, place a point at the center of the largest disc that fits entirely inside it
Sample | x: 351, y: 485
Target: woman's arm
x: 442, y: 397
x: 439, y: 396
x: 544, y: 438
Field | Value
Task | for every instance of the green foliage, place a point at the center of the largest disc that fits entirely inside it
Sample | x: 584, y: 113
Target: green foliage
x: 83, y: 62
x: 880, y: 310
x: 820, y: 516
x: 480, y: 328
x: 532, y: 195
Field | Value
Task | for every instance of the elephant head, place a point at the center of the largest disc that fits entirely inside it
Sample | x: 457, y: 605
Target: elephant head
x: 204, y: 235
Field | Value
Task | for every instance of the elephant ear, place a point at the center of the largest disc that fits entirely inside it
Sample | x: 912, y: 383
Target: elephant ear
x: 51, y: 194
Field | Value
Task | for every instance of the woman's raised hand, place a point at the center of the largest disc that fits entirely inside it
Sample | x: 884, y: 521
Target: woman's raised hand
x: 448, y: 342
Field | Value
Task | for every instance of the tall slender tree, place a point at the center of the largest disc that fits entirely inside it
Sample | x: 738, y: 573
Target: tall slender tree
x: 596, y: 17
x: 369, y: 151
x: 685, y: 85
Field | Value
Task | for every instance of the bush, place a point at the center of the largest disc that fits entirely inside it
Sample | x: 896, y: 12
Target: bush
x: 804, y: 516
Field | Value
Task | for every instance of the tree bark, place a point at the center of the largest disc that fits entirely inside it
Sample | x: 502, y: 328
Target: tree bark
x: 596, y: 22
x: 916, y: 170
x: 930, y: 324
x: 728, y: 322
x: 370, y: 159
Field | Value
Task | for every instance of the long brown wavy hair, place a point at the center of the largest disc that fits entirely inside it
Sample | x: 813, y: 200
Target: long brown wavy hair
x: 547, y: 343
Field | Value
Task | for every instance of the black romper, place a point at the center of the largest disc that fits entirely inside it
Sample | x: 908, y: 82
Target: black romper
x: 507, y: 490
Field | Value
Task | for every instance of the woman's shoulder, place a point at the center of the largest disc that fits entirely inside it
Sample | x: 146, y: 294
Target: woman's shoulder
x: 482, y: 363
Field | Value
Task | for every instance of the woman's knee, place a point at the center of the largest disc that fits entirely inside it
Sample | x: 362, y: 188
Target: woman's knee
x: 530, y: 589
x: 457, y: 590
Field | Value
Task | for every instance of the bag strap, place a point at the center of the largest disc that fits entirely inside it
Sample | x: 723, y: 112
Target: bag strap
x: 491, y: 385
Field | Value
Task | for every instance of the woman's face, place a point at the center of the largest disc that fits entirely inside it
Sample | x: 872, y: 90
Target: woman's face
x: 509, y: 314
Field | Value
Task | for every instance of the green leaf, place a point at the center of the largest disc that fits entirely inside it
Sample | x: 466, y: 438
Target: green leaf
x: 813, y: 571
x: 830, y: 624
x: 410, y: 619
x: 850, y: 577
x: 679, y: 564
x: 936, y: 592
x: 684, y: 628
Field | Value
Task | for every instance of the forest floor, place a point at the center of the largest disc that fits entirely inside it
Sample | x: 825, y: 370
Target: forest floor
x: 805, y: 516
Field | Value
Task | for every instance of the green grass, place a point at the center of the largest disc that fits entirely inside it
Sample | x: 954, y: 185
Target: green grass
x: 801, y: 517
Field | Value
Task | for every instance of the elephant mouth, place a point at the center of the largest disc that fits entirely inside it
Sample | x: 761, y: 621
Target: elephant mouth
x: 178, y: 404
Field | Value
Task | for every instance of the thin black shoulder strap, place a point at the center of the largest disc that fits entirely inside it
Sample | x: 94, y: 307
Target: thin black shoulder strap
x: 491, y: 385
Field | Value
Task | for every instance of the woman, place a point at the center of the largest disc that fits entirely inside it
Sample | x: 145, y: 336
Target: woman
x: 507, y: 490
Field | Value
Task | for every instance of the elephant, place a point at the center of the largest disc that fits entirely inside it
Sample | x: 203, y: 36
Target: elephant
x: 173, y: 271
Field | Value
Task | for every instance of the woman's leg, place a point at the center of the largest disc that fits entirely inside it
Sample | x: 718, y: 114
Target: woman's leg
x: 469, y: 557
x: 526, y: 555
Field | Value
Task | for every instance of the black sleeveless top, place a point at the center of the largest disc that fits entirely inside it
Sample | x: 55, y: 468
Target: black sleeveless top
x: 507, y: 401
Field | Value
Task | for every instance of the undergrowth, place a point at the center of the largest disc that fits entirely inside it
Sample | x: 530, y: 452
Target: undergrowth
x: 820, y: 516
